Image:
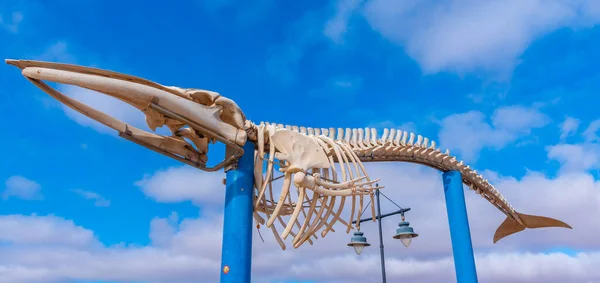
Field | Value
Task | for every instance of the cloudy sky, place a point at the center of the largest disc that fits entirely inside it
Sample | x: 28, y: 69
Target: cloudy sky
x: 506, y: 85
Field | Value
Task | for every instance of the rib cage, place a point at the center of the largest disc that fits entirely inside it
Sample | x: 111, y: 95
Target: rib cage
x: 344, y: 167
x: 399, y: 145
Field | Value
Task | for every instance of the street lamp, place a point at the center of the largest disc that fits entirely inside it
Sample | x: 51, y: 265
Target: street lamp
x: 359, y: 242
x: 405, y: 233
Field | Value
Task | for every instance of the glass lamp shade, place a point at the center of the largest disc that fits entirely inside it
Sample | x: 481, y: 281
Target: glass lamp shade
x: 359, y: 249
x: 406, y: 240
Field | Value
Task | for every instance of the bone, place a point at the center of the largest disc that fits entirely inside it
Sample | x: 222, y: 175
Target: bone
x: 425, y: 143
x: 346, y: 173
x: 432, y: 145
x: 336, y: 217
x: 268, y: 215
x: 173, y: 125
x: 397, y: 140
x: 287, y: 182
x: 392, y: 134
x: 404, y: 138
x: 279, y: 219
x: 388, y: 144
x: 385, y: 134
x: 258, y: 167
x: 232, y: 114
x: 347, y: 135
x: 419, y: 141
x: 365, y: 145
x: 200, y: 143
x: 153, y: 118
x: 167, y: 144
x: 359, y: 136
x: 140, y: 95
x: 294, y: 216
x: 303, y: 233
x: 201, y: 96
x: 411, y: 139
x: 319, y: 220
x: 308, y: 218
x: 351, y: 175
x: 300, y: 151
x: 374, y: 137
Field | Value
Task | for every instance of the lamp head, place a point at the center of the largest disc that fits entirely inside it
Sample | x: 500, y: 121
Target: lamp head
x: 405, y: 233
x: 358, y: 242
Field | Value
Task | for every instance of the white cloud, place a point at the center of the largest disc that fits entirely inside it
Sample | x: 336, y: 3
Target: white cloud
x: 309, y: 30
x: 188, y: 249
x: 568, y: 127
x: 99, y: 200
x: 468, y: 35
x: 57, y: 52
x: 518, y: 118
x: 408, y: 126
x: 469, y: 132
x: 23, y: 188
x: 178, y: 184
x: 337, y: 26
x: 347, y: 82
x: 182, y: 250
x: 284, y: 57
x: 591, y: 133
x: 11, y: 22
x: 43, y: 230
x: 576, y: 157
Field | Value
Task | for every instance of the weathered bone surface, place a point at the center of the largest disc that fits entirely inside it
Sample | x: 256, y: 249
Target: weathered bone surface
x: 199, y: 116
x: 325, y: 166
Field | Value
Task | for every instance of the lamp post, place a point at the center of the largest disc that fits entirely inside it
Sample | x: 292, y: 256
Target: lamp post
x: 405, y: 233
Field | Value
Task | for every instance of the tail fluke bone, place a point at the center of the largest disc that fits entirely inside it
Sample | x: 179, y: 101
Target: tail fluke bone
x: 511, y: 226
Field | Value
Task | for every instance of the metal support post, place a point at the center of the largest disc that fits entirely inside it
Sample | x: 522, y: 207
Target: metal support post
x: 236, y: 255
x: 380, y: 238
x: 464, y: 261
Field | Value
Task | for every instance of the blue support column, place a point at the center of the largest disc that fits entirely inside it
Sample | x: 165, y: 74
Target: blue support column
x: 236, y: 255
x: 464, y: 261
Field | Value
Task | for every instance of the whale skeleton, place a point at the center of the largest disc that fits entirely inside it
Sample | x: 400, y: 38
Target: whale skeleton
x: 325, y: 165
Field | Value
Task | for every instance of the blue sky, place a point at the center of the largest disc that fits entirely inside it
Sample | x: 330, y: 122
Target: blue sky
x: 509, y: 88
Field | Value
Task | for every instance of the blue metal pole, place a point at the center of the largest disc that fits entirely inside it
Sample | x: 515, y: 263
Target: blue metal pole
x: 464, y: 261
x: 381, y: 252
x: 236, y: 255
